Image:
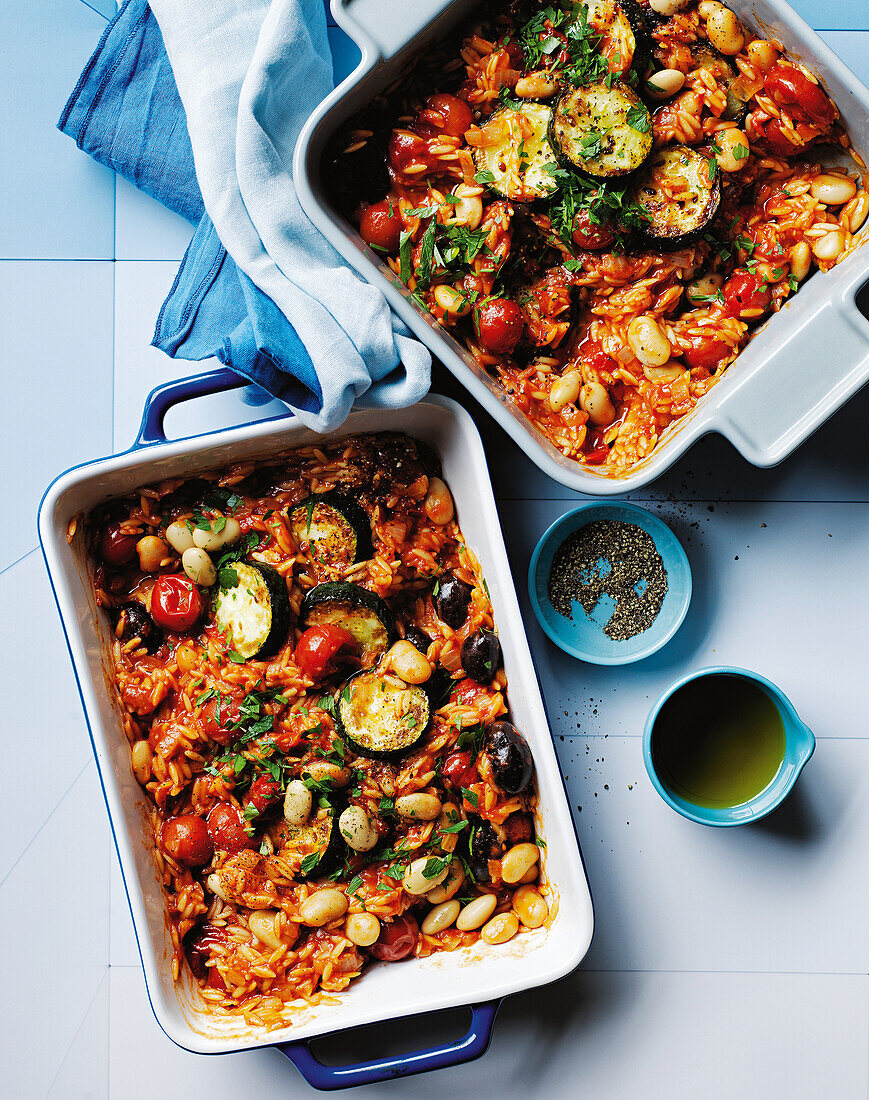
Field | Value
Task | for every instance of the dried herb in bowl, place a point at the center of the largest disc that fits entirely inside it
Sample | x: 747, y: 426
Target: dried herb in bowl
x: 610, y: 558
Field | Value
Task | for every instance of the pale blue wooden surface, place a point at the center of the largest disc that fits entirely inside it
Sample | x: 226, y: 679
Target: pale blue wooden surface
x: 723, y: 964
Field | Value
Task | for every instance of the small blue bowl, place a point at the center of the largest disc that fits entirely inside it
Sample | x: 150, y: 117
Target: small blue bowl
x: 583, y: 635
x: 799, y: 746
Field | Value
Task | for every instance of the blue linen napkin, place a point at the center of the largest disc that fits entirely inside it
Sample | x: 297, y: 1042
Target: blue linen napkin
x: 127, y: 113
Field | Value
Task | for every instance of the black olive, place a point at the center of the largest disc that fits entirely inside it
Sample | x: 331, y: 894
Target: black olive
x: 416, y: 638
x: 483, y: 846
x: 481, y: 656
x: 139, y: 624
x: 509, y: 757
x: 451, y: 602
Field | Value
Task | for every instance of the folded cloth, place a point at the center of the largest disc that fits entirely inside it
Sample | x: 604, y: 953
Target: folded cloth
x: 259, y: 287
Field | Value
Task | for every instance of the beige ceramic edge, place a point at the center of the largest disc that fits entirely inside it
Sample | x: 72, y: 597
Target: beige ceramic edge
x: 384, y: 992
x: 798, y: 370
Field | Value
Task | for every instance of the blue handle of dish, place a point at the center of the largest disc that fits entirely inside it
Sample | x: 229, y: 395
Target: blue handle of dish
x: 161, y: 399
x: 471, y: 1045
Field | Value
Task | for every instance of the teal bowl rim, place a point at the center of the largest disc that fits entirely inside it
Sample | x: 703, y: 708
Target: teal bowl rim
x: 656, y: 642
x: 799, y: 747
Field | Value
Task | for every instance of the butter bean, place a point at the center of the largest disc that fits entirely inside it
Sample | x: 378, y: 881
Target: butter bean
x: 667, y: 8
x: 451, y: 301
x: 179, y: 536
x: 222, y: 532
x: 142, y: 759
x: 855, y: 212
x: 595, y: 400
x: 408, y: 663
x: 829, y: 247
x: 438, y: 504
x: 516, y: 862
x: 324, y: 771
x: 665, y: 83
x: 363, y: 929
x: 501, y: 928
x: 800, y: 260
x: 476, y: 913
x: 441, y: 917
x: 419, y: 806
x: 734, y: 150
x: 724, y: 31
x: 416, y: 882
x: 198, y: 566
x: 648, y: 342
x: 530, y: 907
x: 151, y: 550
x: 565, y: 390
x: 451, y: 884
x: 262, y: 924
x: 832, y: 189
x: 321, y: 907
x: 762, y: 54
x: 704, y: 288
x: 356, y: 828
x: 298, y: 802
x: 535, y: 86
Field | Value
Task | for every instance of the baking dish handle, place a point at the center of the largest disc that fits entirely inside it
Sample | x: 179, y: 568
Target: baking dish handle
x: 471, y: 1045
x: 162, y: 398
x: 824, y: 360
x: 380, y: 28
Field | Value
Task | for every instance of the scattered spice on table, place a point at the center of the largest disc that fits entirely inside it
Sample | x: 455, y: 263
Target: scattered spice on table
x: 610, y: 558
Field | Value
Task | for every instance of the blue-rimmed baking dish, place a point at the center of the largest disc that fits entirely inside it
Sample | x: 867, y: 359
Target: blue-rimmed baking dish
x: 800, y: 367
x: 477, y: 977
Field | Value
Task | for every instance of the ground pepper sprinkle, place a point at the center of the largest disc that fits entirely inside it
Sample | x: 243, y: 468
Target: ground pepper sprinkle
x: 610, y: 558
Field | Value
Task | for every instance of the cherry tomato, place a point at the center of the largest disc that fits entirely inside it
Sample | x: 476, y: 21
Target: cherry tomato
x: 397, y: 939
x: 187, y: 840
x: 263, y: 794
x: 449, y: 113
x: 705, y: 353
x: 175, y: 603
x: 746, y: 296
x: 215, y: 981
x: 499, y: 325
x: 218, y: 716
x: 803, y: 100
x: 381, y: 225
x: 406, y: 147
x: 588, y: 235
x: 116, y: 547
x: 459, y: 770
x: 770, y: 133
x: 594, y: 449
x: 318, y: 646
x: 516, y: 54
x: 226, y: 828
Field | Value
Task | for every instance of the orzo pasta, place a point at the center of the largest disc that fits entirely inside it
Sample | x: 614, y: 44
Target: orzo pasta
x: 310, y: 678
x: 601, y: 200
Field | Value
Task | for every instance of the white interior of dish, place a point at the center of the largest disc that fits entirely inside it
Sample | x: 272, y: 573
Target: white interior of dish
x: 782, y: 387
x: 461, y: 977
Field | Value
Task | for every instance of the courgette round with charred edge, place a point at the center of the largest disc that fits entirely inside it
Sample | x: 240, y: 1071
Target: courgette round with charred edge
x: 517, y: 161
x: 254, y: 610
x: 381, y: 716
x: 363, y: 614
x: 726, y: 76
x: 680, y: 194
x: 604, y: 132
x: 625, y: 33
x: 334, y: 526
x: 316, y: 847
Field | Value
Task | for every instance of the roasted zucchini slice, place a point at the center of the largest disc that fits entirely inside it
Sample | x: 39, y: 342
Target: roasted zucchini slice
x: 604, y: 132
x: 254, y: 609
x: 680, y: 194
x: 332, y: 528
x: 381, y: 716
x: 624, y: 33
x: 310, y: 850
x: 361, y: 613
x: 727, y: 77
x: 517, y: 159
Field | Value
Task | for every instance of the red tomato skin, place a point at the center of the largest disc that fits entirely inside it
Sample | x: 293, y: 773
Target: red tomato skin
x: 117, y: 548
x: 263, y: 794
x: 454, y: 113
x: 405, y: 147
x: 744, y: 293
x: 218, y: 716
x: 706, y: 353
x: 175, y: 603
x: 380, y: 228
x: 799, y: 96
x: 187, y: 840
x: 318, y: 646
x: 589, y: 236
x: 499, y: 325
x: 459, y: 770
x: 226, y: 828
x: 397, y: 939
